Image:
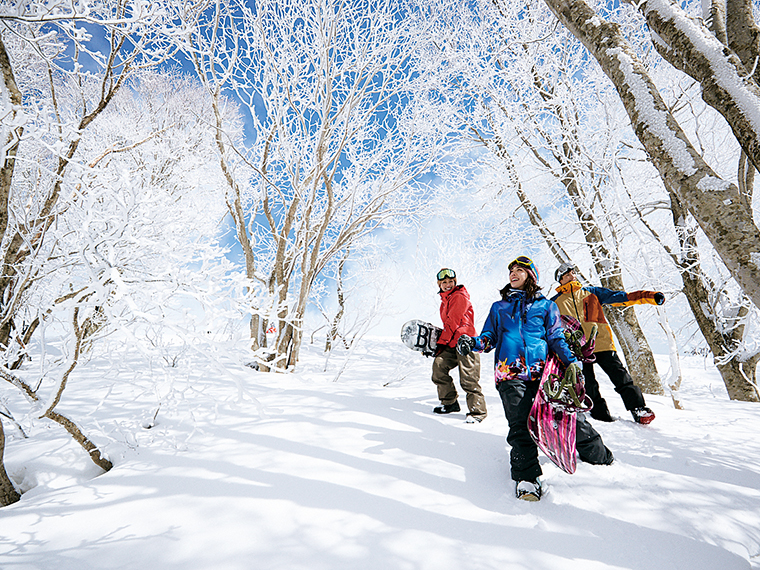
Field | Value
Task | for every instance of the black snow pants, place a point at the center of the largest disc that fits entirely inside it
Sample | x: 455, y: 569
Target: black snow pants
x: 609, y: 361
x: 517, y: 397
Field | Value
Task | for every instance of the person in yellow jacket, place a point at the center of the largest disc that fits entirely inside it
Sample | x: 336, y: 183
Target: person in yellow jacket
x: 585, y: 304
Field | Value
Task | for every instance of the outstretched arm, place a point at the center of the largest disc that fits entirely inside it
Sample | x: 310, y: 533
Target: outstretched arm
x: 623, y: 299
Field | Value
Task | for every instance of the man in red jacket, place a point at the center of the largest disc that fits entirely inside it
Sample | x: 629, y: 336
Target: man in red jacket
x: 457, y: 316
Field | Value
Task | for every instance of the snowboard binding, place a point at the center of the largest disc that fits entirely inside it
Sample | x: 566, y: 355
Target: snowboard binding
x: 567, y: 392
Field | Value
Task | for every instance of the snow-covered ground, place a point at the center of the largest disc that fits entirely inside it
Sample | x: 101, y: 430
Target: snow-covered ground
x: 245, y: 470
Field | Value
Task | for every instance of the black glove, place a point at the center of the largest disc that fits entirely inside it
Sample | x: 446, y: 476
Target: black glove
x: 465, y: 344
x: 659, y: 298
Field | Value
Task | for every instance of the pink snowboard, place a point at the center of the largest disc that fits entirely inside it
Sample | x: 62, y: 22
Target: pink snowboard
x: 551, y: 422
x: 553, y: 428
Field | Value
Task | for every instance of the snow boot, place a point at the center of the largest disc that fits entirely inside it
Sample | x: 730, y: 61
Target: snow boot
x: 529, y: 490
x: 447, y: 408
x: 642, y: 415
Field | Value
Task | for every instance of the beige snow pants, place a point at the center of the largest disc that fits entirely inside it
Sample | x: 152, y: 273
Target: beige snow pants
x: 469, y: 378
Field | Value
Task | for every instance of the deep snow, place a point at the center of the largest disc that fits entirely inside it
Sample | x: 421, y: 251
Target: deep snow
x: 245, y: 470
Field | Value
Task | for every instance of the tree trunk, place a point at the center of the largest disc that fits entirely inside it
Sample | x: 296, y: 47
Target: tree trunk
x: 60, y: 419
x: 713, y: 202
x: 235, y: 208
x: 333, y: 332
x: 738, y: 376
x: 727, y: 86
x: 10, y: 148
x: 716, y: 20
x: 624, y: 324
x: 743, y: 34
x: 11, y: 145
x: 633, y: 343
x: 81, y: 439
x: 8, y: 493
x: 740, y: 379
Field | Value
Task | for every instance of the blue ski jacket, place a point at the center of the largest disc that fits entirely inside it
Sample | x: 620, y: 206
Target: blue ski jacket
x: 522, y: 332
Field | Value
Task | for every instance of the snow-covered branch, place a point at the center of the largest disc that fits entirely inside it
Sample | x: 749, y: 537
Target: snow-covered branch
x: 713, y: 201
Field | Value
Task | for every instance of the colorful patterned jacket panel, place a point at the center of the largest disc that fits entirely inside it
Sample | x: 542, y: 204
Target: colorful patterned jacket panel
x: 522, y: 333
x: 457, y: 315
x: 585, y: 304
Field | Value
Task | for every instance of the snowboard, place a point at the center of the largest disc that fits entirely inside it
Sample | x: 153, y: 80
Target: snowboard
x: 551, y: 422
x: 420, y: 336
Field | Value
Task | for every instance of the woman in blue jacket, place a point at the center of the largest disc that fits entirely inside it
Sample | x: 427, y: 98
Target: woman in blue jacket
x: 522, y: 328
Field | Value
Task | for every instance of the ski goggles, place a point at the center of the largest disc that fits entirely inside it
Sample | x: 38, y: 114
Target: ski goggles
x: 526, y: 262
x: 446, y: 274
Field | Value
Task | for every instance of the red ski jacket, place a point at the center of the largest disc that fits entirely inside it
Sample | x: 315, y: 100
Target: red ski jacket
x: 457, y: 315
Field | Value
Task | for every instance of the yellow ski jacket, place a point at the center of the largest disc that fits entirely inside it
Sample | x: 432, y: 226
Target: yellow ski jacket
x: 585, y: 304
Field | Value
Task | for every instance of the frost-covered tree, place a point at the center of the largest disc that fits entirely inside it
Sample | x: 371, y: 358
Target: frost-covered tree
x: 528, y: 96
x: 722, y: 319
x: 342, y: 126
x: 721, y: 314
x: 43, y: 46
x: 129, y: 243
x: 97, y: 196
x: 726, y: 85
x: 725, y: 317
x: 56, y: 84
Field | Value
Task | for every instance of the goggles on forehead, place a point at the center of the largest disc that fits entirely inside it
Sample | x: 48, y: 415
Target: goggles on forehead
x: 563, y: 269
x: 446, y: 274
x: 523, y: 260
x: 526, y: 262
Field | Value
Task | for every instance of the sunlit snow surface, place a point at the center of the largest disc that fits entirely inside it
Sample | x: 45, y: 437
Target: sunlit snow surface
x: 245, y: 470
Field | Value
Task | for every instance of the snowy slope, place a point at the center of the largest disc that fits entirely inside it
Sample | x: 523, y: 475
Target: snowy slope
x: 245, y: 470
